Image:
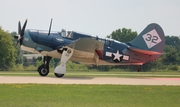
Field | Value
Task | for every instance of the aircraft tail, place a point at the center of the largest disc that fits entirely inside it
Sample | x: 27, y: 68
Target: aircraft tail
x: 151, y: 40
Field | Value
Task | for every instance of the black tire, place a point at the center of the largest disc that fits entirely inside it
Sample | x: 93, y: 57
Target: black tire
x: 40, y: 67
x: 139, y: 68
x: 58, y: 75
x: 42, y: 71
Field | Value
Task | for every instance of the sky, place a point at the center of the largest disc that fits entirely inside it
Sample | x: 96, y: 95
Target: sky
x: 95, y: 17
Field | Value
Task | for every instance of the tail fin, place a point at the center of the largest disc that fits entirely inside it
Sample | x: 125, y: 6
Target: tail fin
x: 151, y: 39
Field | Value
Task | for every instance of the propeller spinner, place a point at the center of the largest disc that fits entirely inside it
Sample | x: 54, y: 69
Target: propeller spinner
x: 20, y: 35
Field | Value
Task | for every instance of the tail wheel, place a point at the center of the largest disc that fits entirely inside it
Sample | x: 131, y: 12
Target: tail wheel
x: 138, y: 68
x: 58, y: 75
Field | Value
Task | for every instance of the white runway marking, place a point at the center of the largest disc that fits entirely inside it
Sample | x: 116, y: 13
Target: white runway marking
x: 88, y: 80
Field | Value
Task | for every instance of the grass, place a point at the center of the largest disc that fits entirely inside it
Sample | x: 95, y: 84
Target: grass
x: 55, y: 95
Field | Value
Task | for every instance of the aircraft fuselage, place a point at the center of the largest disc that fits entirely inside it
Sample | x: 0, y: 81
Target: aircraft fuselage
x: 111, y: 53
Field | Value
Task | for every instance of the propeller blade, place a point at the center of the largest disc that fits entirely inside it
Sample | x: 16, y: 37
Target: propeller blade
x: 17, y: 42
x: 22, y: 32
x: 20, y: 41
x: 19, y: 28
x: 24, y: 26
x: 20, y: 35
x: 50, y: 27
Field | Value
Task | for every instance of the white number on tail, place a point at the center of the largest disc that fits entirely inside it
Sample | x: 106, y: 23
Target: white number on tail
x: 151, y: 38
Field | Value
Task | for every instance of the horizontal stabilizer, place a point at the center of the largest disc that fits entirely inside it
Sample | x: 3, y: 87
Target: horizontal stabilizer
x: 148, y: 52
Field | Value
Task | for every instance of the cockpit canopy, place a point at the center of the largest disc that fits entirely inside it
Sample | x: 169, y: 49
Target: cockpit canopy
x: 75, y: 35
x: 66, y: 33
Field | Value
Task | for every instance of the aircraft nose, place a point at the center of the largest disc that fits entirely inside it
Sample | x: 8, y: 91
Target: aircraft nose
x: 15, y: 37
x: 20, y: 35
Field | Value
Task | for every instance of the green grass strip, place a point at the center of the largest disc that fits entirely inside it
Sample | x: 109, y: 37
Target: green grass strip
x: 58, y: 95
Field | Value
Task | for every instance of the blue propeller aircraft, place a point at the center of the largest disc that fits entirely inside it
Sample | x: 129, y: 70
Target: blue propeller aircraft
x: 69, y: 45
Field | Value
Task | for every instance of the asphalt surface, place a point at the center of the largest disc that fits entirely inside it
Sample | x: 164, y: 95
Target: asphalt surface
x: 88, y: 80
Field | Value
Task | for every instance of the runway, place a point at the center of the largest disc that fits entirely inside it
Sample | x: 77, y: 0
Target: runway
x: 88, y: 80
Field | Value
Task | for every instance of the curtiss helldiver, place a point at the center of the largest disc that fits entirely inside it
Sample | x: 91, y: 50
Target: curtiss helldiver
x: 70, y: 45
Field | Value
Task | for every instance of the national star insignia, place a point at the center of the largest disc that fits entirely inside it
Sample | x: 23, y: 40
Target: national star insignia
x: 117, y: 55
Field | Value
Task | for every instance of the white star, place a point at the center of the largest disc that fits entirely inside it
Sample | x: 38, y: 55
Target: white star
x: 117, y: 55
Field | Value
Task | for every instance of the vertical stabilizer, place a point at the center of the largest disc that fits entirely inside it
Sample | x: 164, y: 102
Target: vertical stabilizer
x: 151, y: 38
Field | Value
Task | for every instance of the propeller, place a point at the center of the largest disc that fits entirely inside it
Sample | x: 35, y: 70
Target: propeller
x: 20, y: 34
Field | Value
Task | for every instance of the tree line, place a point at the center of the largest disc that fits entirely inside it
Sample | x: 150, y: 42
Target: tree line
x: 11, y: 55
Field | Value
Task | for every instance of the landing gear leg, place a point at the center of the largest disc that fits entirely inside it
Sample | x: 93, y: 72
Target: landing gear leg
x: 60, y: 70
x: 44, y: 68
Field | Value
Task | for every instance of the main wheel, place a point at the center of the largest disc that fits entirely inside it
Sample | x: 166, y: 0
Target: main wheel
x: 58, y: 75
x: 43, y: 71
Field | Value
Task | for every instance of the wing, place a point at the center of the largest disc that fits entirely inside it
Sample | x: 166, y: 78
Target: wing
x: 87, y: 50
x: 87, y: 45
